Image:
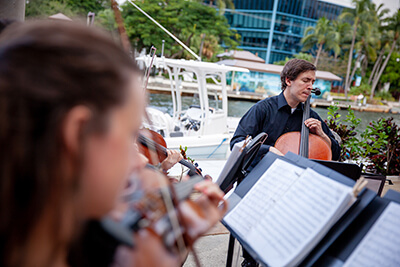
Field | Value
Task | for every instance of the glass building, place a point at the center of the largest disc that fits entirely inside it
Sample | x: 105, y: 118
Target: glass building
x: 272, y: 29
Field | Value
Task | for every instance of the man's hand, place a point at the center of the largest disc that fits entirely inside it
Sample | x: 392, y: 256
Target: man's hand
x: 316, y: 128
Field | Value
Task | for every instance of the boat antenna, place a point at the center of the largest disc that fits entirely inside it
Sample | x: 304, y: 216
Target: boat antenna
x: 165, y: 30
x: 147, y: 72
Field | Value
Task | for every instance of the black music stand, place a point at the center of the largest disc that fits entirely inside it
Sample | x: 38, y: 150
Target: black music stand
x: 237, y: 173
x: 240, y: 167
x: 376, y: 182
x: 353, y: 171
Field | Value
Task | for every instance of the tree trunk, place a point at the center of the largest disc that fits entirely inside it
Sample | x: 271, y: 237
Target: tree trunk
x: 318, y: 54
x: 364, y: 66
x: 354, y: 69
x: 376, y: 79
x: 346, y: 87
x: 377, y: 63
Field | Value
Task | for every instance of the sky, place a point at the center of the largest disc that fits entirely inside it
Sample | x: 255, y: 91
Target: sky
x: 393, y: 5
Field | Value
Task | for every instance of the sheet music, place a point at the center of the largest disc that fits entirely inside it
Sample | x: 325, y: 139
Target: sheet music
x: 297, y: 212
x: 381, y: 245
x: 264, y: 194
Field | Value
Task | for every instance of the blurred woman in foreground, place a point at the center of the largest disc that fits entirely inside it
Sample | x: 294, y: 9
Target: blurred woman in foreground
x: 70, y: 109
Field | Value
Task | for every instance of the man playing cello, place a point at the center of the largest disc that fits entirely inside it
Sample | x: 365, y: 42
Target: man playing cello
x: 281, y: 114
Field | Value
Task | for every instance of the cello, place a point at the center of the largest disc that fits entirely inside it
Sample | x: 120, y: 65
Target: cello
x: 304, y: 143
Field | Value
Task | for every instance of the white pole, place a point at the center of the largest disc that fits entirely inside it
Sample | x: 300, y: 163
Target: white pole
x: 169, y: 33
x: 12, y: 9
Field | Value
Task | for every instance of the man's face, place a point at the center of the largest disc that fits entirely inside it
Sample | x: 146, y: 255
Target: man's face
x: 299, y: 89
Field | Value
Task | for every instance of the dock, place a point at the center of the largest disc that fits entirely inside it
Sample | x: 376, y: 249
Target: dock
x: 162, y: 86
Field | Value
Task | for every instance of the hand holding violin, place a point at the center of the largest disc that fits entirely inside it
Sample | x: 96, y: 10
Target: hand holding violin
x: 201, y: 214
x: 173, y: 157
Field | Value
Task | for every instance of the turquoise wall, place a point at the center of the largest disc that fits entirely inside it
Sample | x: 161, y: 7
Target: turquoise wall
x: 268, y: 83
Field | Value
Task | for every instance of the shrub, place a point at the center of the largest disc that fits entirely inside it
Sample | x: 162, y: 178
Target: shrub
x: 385, y: 95
x: 347, y: 132
x: 378, y: 146
x: 386, y: 160
x: 364, y: 89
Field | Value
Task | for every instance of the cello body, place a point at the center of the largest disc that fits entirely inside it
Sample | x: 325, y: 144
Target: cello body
x: 318, y: 148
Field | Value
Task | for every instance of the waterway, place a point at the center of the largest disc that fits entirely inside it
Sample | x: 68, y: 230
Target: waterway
x: 239, y: 108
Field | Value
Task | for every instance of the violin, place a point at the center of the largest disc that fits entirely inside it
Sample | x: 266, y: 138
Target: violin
x: 164, y: 222
x: 304, y: 143
x: 150, y: 141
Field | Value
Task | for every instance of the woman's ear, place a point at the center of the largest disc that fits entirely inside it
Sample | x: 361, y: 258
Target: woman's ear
x: 73, y: 126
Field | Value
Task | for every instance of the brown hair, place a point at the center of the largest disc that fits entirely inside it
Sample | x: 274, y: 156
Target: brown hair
x: 294, y: 68
x: 47, y: 68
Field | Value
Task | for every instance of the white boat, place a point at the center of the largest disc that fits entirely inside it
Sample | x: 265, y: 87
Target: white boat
x: 205, y: 128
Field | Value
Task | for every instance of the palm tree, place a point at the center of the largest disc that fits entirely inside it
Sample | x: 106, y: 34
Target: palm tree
x: 345, y: 32
x: 323, y: 34
x: 369, y: 37
x: 384, y: 44
x: 360, y: 16
x: 394, y: 27
x: 384, y: 39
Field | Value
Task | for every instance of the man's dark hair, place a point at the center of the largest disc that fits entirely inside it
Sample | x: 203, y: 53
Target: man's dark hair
x: 294, y: 68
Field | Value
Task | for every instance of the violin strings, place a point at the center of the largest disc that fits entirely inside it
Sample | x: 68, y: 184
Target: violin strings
x: 172, y: 214
x: 173, y: 217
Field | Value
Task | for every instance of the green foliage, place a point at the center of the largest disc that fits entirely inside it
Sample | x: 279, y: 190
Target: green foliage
x: 106, y: 19
x: 46, y: 8
x: 221, y: 4
x: 70, y: 8
x: 187, y: 20
x: 364, y: 89
x: 323, y: 36
x: 85, y: 6
x: 392, y: 73
x: 332, y: 64
x: 300, y: 55
x: 386, y: 158
x: 384, y: 95
x: 346, y: 131
x: 183, y: 151
x: 378, y: 146
x: 372, y: 139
